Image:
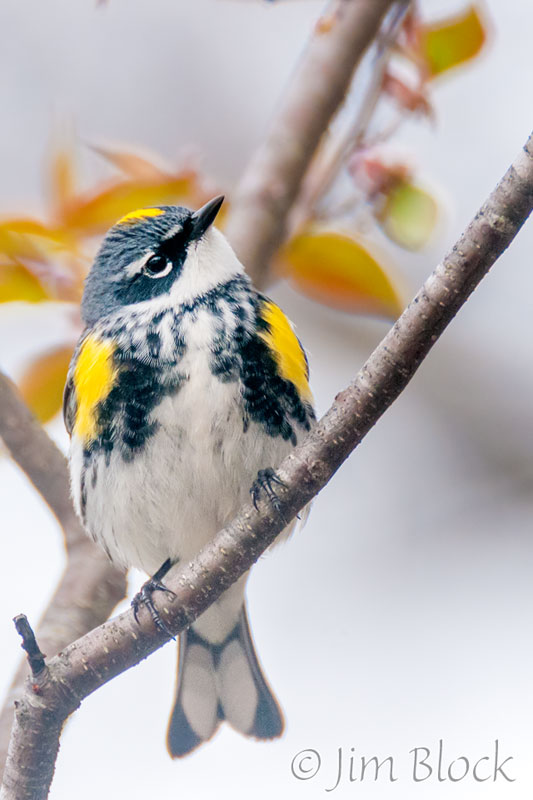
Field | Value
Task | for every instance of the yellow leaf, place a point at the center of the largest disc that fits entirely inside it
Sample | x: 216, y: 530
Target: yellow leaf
x: 43, y: 381
x: 30, y: 227
x: 453, y: 41
x: 95, y: 213
x: 407, y: 215
x: 18, y: 245
x: 338, y: 269
x: 18, y: 284
x: 30, y: 240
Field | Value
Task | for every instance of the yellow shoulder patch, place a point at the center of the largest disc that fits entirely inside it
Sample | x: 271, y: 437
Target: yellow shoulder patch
x: 286, y: 349
x: 94, y: 376
x: 140, y: 213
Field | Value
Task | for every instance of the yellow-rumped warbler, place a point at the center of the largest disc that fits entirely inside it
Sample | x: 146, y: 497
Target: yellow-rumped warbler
x: 186, y: 387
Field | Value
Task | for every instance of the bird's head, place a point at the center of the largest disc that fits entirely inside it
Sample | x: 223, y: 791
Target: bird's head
x: 166, y: 255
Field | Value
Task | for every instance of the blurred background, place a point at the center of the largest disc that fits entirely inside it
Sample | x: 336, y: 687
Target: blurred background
x: 402, y: 613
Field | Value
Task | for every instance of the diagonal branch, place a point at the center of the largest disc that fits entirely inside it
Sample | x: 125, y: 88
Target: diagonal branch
x: 33, y: 450
x: 119, y: 644
x: 257, y: 222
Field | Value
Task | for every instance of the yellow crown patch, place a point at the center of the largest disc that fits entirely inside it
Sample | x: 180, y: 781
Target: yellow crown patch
x: 140, y: 213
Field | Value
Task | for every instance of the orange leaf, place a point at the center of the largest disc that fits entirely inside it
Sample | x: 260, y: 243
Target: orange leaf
x: 42, y: 383
x: 133, y: 165
x: 62, y: 178
x: 338, y: 269
x: 95, y: 213
x: 18, y: 284
x: 407, y: 215
x: 453, y: 41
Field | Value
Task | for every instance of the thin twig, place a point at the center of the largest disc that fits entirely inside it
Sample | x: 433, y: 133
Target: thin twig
x: 328, y: 163
x: 257, y: 222
x: 120, y: 643
x: 29, y: 644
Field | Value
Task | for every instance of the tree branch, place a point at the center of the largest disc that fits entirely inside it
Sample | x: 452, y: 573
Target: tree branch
x: 270, y: 184
x: 120, y: 643
x: 33, y: 450
x: 90, y: 586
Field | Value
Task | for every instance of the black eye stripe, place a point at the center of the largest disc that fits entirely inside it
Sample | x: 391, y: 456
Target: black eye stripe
x: 173, y: 250
x: 176, y: 244
x: 167, y: 259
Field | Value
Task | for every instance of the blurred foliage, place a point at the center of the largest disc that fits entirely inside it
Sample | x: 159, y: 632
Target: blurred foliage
x: 449, y: 44
x: 338, y: 269
x: 43, y: 380
x: 18, y: 283
x: 327, y: 257
x: 407, y: 215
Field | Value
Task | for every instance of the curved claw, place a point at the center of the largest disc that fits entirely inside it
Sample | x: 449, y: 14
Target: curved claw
x: 144, y: 598
x: 265, y: 482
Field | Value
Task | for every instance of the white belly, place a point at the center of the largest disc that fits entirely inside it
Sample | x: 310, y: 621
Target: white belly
x: 189, y: 480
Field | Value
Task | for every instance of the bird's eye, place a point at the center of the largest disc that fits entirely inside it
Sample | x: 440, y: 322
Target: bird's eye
x: 158, y: 266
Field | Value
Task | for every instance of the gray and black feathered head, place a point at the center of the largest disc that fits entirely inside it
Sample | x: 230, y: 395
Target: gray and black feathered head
x: 150, y: 251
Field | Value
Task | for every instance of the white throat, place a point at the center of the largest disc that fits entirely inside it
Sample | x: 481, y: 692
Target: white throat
x: 210, y: 261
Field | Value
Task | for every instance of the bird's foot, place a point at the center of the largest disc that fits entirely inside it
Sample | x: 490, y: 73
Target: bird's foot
x: 265, y: 482
x: 144, y: 597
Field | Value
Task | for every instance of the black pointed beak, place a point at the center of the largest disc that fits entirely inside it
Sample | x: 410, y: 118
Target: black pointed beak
x: 205, y: 216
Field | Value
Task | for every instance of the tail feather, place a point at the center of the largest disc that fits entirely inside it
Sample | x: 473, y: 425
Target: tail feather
x: 195, y: 716
x: 217, y: 682
x: 268, y: 718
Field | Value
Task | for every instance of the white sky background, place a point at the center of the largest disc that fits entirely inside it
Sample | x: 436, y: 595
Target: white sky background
x: 402, y: 614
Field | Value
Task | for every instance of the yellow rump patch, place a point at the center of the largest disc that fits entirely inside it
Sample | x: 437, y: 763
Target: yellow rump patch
x: 94, y: 376
x: 286, y: 349
x: 140, y: 213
